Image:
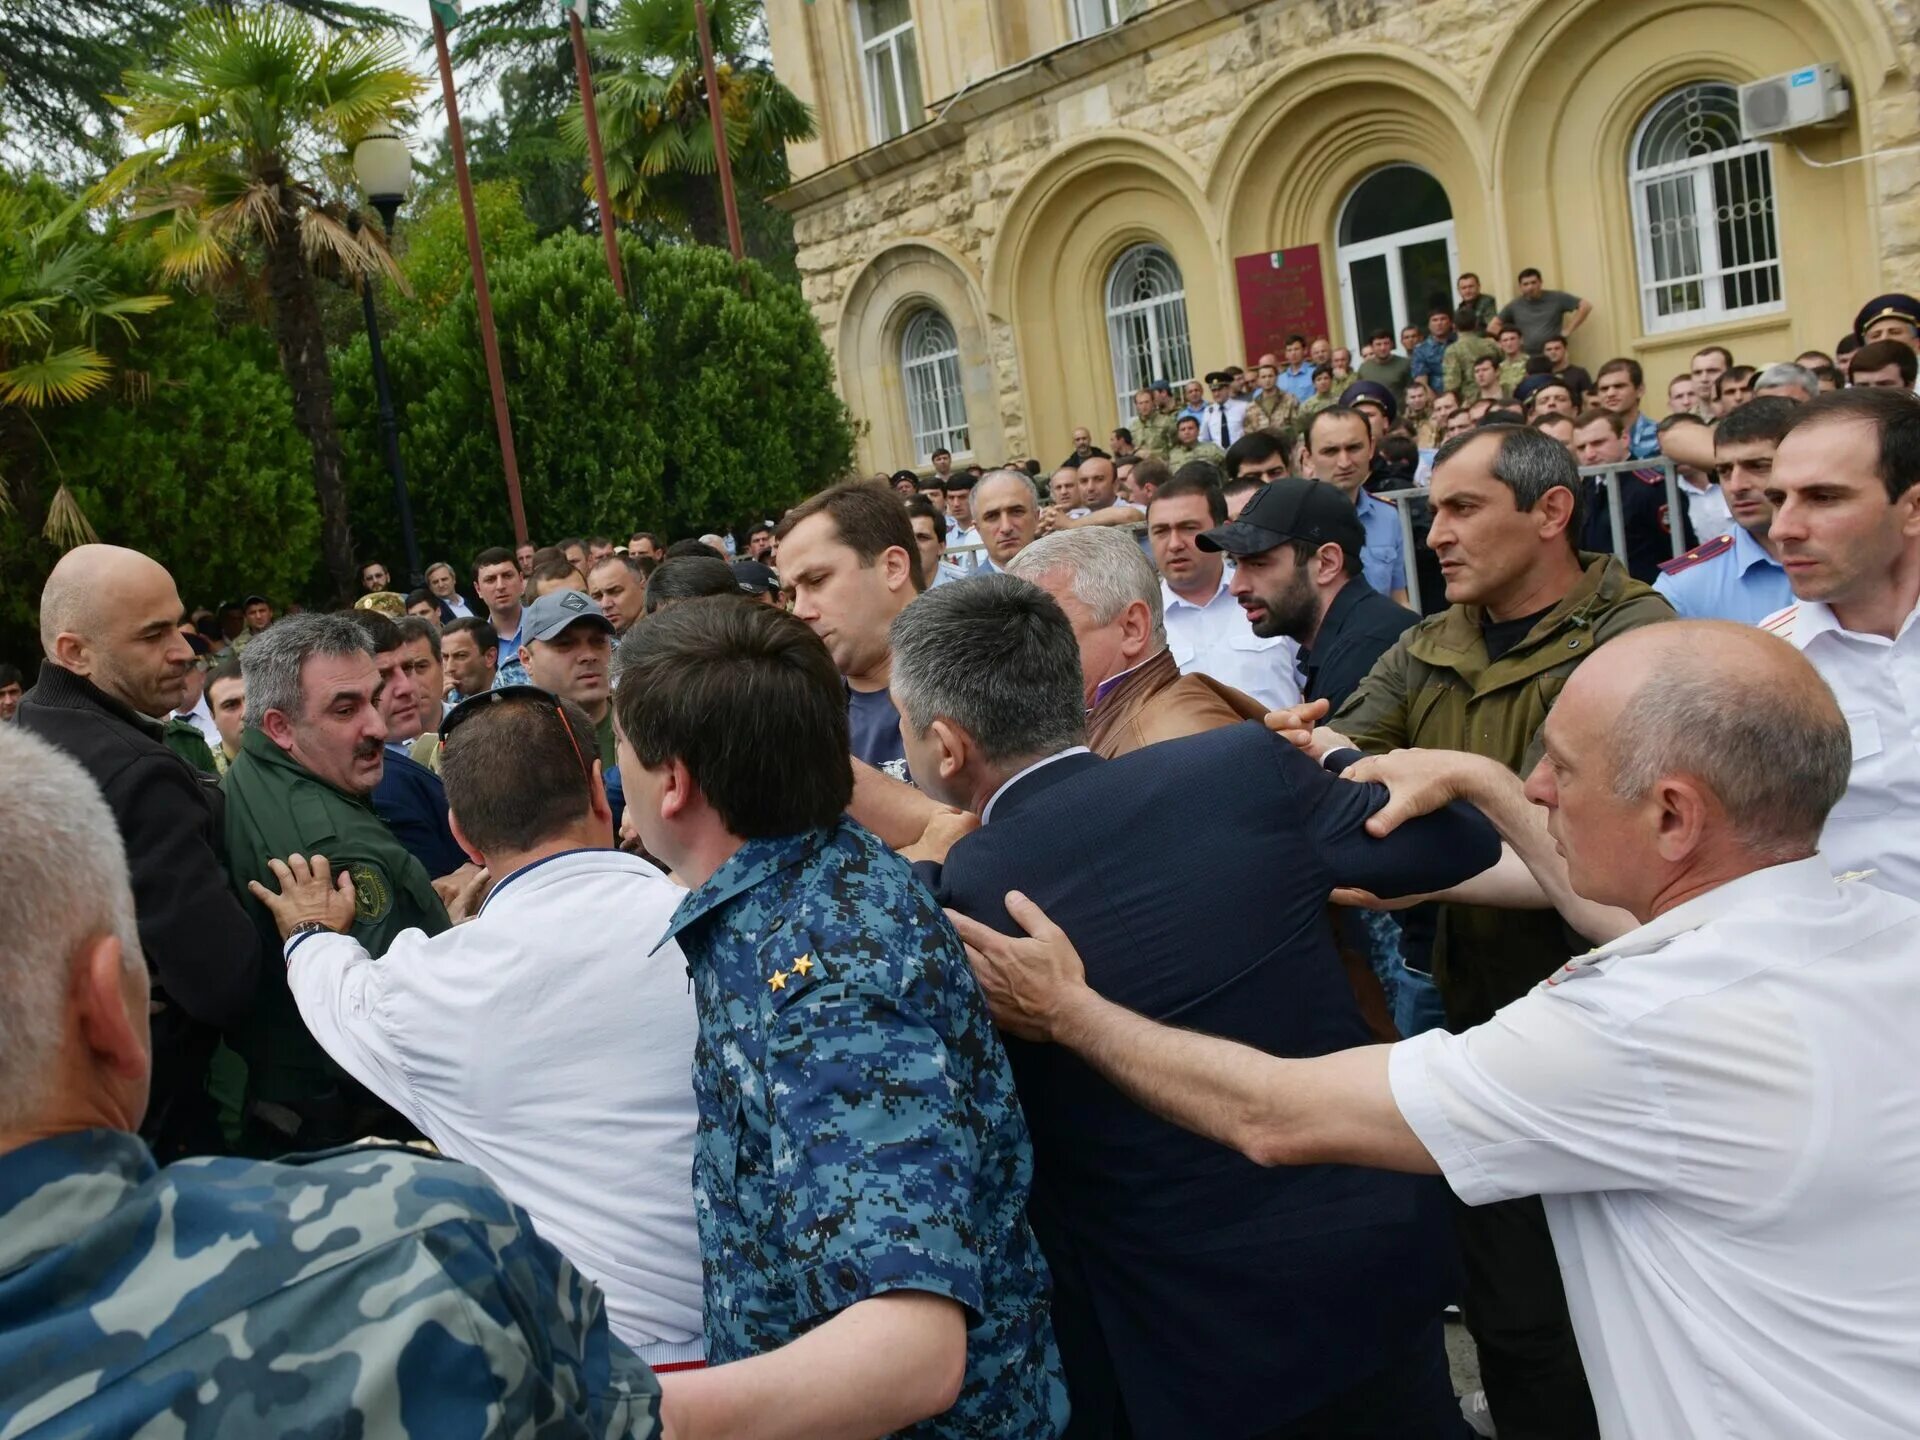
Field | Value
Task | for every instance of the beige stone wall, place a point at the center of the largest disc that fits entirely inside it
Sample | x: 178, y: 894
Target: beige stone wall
x: 1242, y: 127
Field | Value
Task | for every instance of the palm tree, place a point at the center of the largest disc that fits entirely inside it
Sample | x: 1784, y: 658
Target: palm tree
x: 653, y: 112
x: 252, y: 116
x: 56, y: 290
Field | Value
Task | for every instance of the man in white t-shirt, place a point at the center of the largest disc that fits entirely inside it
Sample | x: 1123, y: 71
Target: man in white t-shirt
x: 545, y: 1041
x: 1720, y: 1107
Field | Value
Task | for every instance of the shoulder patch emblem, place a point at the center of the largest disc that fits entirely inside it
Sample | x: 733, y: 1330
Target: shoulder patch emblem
x: 1713, y: 548
x: 372, y: 896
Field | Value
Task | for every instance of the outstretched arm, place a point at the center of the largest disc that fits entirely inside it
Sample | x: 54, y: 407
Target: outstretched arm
x: 1333, y: 1108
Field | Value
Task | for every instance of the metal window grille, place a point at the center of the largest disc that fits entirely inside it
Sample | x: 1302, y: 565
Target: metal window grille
x: 930, y: 365
x: 892, y: 65
x: 1703, y: 210
x: 1146, y: 323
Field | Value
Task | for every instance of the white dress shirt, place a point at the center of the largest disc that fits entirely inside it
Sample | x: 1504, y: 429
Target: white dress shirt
x: 1215, y: 639
x: 201, y: 718
x: 1876, y: 825
x: 541, y: 1042
x: 1722, y: 1113
x: 1236, y: 413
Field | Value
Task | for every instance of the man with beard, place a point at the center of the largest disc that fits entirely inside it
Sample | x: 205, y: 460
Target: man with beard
x: 117, y: 662
x: 1296, y: 551
x: 312, y: 756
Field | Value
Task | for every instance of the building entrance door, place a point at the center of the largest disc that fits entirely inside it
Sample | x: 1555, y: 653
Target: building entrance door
x: 1396, y: 255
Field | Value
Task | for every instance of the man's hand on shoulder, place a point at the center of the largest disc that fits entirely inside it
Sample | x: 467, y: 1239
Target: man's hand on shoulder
x: 1031, y: 982
x: 308, y: 893
x: 1299, y: 726
x: 945, y: 829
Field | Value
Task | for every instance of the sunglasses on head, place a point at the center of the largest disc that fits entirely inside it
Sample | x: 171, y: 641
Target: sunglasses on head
x: 486, y: 699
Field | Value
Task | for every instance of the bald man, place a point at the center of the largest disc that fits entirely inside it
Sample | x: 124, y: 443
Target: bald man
x: 1719, y: 1106
x: 116, y: 665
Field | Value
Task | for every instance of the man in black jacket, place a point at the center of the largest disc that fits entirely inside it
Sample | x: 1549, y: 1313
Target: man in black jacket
x: 1194, y: 1292
x: 116, y: 664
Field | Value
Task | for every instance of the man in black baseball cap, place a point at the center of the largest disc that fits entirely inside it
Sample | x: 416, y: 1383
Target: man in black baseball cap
x: 1296, y: 552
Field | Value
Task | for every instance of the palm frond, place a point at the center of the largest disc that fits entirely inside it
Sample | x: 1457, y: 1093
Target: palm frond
x: 67, y: 524
x: 59, y: 377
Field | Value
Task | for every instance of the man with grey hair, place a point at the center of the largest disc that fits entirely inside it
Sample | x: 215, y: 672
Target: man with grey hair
x: 1006, y: 515
x: 1133, y: 691
x: 1719, y: 1105
x: 116, y: 665
x: 984, y: 678
x: 198, y: 1298
x: 312, y: 756
x: 1787, y: 380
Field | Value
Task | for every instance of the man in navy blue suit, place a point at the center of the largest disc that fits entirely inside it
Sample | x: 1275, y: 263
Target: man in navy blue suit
x: 1195, y: 1292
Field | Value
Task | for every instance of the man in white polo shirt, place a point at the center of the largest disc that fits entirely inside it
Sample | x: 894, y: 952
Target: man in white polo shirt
x: 1719, y: 1108
x: 1207, y: 631
x: 1846, y: 528
x: 546, y: 1041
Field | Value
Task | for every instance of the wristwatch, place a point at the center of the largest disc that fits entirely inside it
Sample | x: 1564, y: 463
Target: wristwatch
x: 309, y: 927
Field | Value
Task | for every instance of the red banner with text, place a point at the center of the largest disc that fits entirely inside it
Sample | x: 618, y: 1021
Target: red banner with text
x: 1282, y: 293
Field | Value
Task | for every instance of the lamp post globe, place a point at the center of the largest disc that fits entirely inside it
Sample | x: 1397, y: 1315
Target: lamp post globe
x: 384, y: 167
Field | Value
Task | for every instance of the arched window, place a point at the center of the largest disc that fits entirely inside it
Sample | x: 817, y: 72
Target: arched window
x: 1146, y: 323
x: 1396, y: 255
x: 930, y: 363
x: 1703, y: 213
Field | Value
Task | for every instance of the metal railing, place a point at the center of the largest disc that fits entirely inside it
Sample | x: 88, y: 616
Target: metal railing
x: 1609, y: 476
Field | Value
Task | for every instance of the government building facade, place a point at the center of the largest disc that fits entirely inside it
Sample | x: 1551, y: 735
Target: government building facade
x: 1018, y: 211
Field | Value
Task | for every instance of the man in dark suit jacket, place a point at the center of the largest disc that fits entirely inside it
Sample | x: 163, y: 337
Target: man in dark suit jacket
x: 110, y: 622
x: 1195, y: 1293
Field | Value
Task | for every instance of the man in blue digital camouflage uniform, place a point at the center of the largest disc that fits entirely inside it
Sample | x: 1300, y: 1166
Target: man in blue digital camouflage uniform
x: 375, y: 1292
x: 862, y: 1166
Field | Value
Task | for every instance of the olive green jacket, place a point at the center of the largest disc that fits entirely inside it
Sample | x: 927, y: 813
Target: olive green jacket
x: 277, y: 807
x: 1436, y: 690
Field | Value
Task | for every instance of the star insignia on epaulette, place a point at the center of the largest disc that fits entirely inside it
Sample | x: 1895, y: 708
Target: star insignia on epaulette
x: 803, y: 966
x: 777, y: 980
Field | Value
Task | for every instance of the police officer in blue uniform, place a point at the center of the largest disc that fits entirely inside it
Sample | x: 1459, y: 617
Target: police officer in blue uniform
x: 1737, y: 576
x: 860, y: 1146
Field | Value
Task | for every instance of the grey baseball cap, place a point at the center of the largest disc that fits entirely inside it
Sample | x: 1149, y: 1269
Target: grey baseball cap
x: 556, y: 610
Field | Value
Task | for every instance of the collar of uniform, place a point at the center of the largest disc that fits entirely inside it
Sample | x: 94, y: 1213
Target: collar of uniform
x: 1749, y: 552
x: 55, y: 1188
x: 753, y: 862
x: 1171, y: 599
x: 254, y: 742
x: 1814, y: 618
x: 1775, y: 886
x: 555, y: 871
x: 1458, y: 632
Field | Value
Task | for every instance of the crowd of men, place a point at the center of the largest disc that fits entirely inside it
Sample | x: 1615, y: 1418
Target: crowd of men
x: 1015, y: 954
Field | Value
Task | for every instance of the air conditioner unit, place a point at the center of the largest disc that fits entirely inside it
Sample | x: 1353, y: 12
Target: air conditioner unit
x: 1813, y: 95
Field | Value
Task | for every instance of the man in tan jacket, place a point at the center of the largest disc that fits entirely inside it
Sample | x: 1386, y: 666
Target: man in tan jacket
x: 1135, y: 693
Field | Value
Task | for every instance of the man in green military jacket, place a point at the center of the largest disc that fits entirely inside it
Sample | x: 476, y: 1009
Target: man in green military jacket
x: 311, y: 755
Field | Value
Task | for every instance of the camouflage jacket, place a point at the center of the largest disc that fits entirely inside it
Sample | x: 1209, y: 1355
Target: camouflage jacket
x: 859, y: 1131
x: 355, y: 1292
x: 1457, y: 368
x: 1273, y: 410
x: 1153, y: 435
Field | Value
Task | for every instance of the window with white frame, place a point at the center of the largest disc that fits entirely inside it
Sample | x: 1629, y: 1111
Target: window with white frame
x: 930, y: 364
x: 1703, y: 213
x: 1090, y: 17
x: 1146, y: 323
x: 892, y: 66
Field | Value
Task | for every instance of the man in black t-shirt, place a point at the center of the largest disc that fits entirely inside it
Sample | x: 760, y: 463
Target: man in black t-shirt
x: 847, y: 558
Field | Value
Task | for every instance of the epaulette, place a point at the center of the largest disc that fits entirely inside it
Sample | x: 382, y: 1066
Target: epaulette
x: 1712, y: 550
x: 1781, y: 621
x: 1649, y: 477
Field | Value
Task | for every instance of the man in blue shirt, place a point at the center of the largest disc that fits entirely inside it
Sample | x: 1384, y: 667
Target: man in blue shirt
x: 1340, y: 453
x: 1737, y: 576
x: 862, y: 1167
x: 1429, y: 356
x: 1620, y: 389
x: 499, y: 584
x: 1296, y: 376
x: 409, y: 797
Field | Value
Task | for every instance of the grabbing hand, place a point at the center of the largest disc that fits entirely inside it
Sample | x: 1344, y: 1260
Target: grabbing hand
x: 1028, y: 981
x: 1418, y: 782
x: 308, y: 892
x: 945, y: 828
x: 1299, y: 726
x: 462, y: 890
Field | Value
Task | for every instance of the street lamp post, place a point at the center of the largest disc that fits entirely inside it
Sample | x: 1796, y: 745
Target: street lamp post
x: 384, y: 168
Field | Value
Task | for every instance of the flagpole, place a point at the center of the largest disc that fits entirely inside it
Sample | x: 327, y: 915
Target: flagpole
x: 483, y: 298
x: 719, y: 132
x: 598, y: 156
